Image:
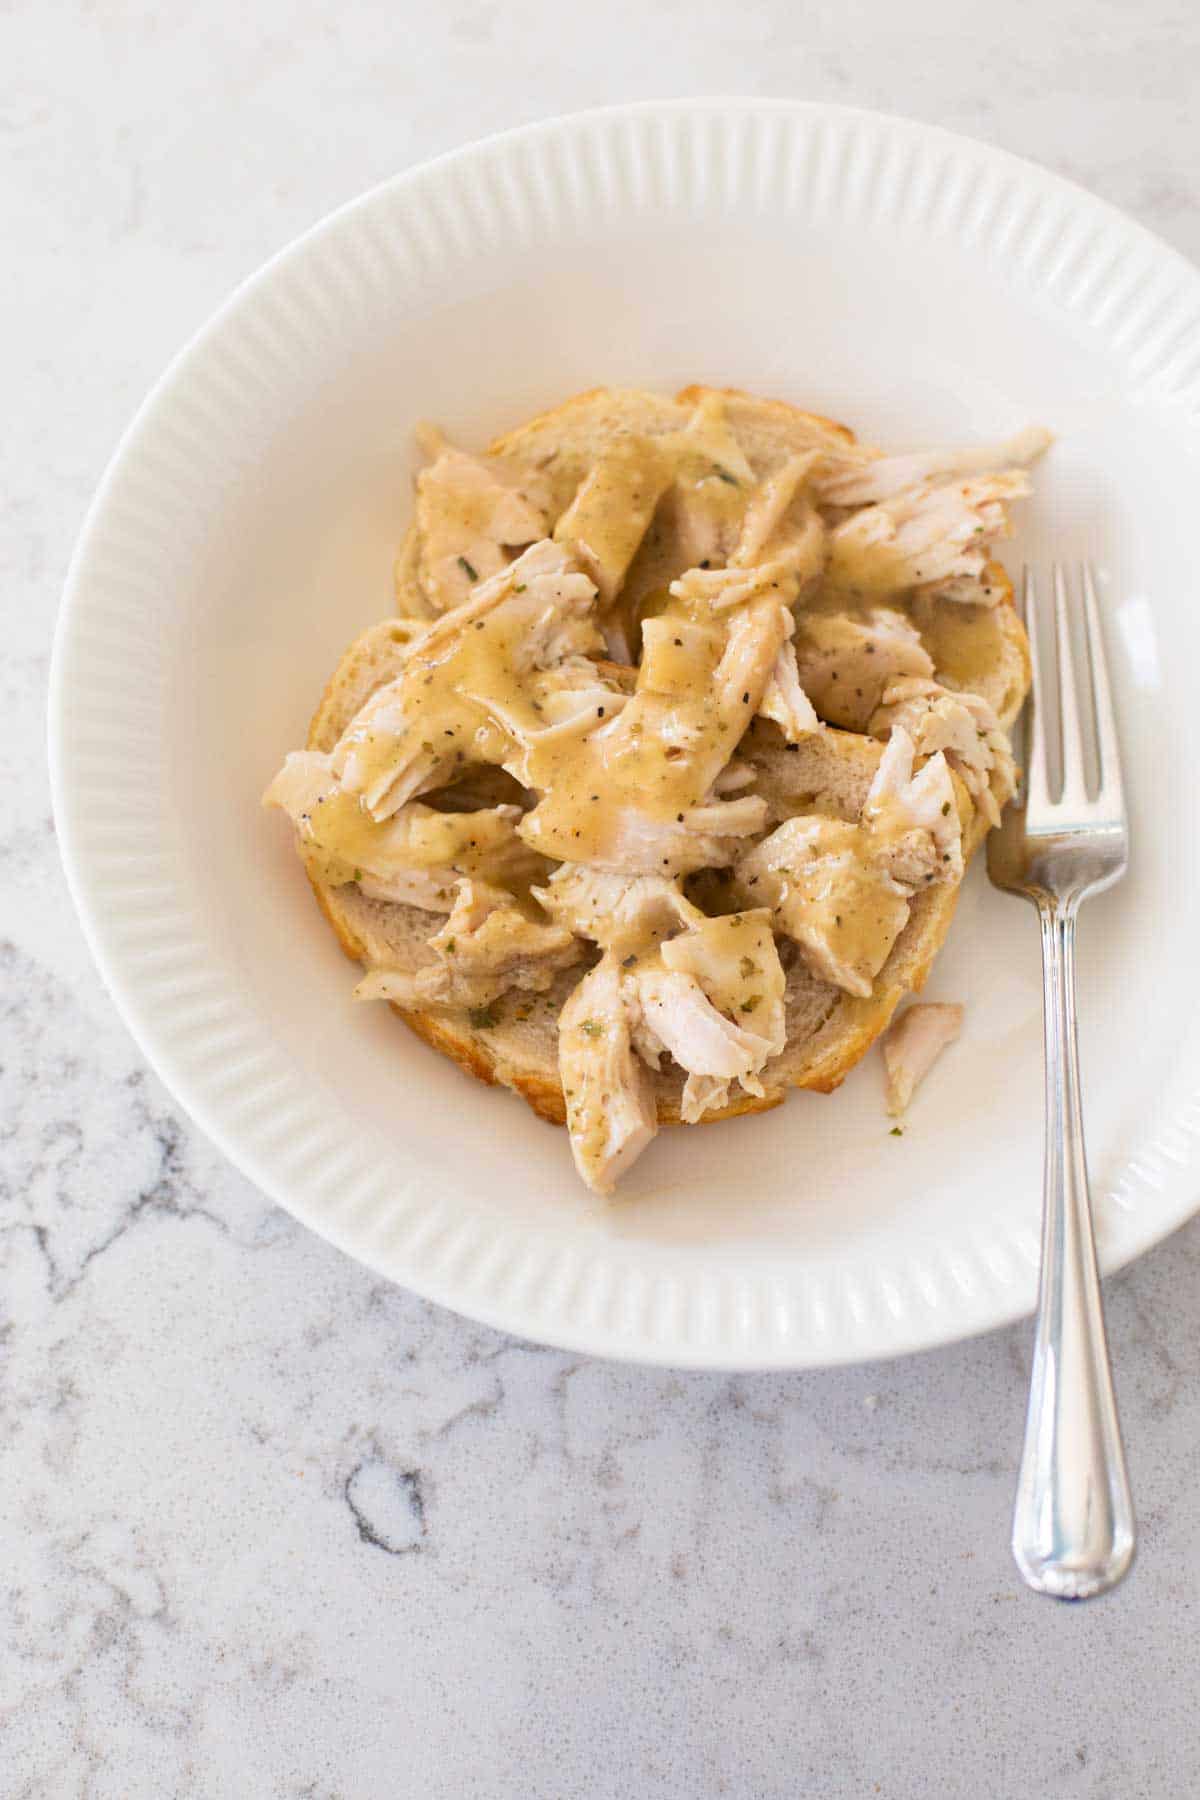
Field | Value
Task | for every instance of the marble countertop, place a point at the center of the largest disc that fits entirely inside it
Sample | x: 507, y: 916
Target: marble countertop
x: 272, y: 1527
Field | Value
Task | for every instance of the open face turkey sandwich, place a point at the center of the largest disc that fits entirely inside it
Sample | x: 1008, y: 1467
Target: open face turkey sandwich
x: 654, y: 798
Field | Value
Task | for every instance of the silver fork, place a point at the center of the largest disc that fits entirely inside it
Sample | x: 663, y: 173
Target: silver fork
x: 1073, y: 1527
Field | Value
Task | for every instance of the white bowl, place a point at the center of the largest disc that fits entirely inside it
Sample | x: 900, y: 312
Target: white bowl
x: 921, y: 287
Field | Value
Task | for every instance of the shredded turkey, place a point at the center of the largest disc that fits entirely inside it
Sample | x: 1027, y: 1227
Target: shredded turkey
x: 487, y: 946
x: 678, y: 1015
x: 912, y: 1046
x: 734, y: 962
x: 844, y: 663
x: 780, y: 551
x: 707, y: 991
x: 767, y: 531
x: 678, y: 655
x: 830, y: 895
x: 708, y: 836
x: 720, y: 590
x: 608, y: 1089
x: 712, y: 440
x: 633, y: 798
x: 415, y: 858
x: 962, y: 725
x: 441, y: 710
x: 861, y: 484
x: 901, y: 805
x: 841, y: 889
x: 735, y: 776
x: 607, y: 519
x: 566, y: 702
x: 923, y: 534
x: 616, y: 912
x: 713, y: 482
x: 784, y: 700
x: 470, y: 512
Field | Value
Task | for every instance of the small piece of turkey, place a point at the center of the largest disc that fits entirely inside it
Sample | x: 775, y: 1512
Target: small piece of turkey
x: 780, y: 550
x: 709, y: 487
x: 611, y: 1111
x: 624, y: 915
x: 926, y: 518
x: 416, y: 857
x: 488, y: 945
x: 716, y: 1005
x: 607, y: 520
x: 710, y: 996
x: 470, y: 512
x: 963, y: 726
x: 864, y: 483
x: 913, y: 1044
x: 842, y: 890
x: 712, y: 482
x: 844, y: 664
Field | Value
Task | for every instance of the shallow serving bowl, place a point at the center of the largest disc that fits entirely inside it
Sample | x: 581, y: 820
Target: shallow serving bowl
x: 921, y: 287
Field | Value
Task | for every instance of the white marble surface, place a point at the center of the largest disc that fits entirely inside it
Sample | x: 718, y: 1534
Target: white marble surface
x: 273, y: 1528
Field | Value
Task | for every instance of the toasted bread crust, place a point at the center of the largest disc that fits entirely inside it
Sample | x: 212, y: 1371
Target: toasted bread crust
x: 778, y: 409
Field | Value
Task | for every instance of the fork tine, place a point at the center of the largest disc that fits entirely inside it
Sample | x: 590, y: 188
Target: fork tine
x: 1037, y: 785
x: 1107, y: 752
x: 1074, y: 770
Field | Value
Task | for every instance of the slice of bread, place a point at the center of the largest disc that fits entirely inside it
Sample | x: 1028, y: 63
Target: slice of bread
x: 513, y: 1041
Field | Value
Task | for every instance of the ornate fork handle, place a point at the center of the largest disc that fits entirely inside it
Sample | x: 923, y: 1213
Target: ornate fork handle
x: 1073, y: 1531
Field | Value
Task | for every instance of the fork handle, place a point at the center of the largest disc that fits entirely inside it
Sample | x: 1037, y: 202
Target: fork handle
x: 1073, y: 1530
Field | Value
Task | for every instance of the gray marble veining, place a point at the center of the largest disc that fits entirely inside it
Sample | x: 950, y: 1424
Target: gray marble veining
x: 272, y: 1527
